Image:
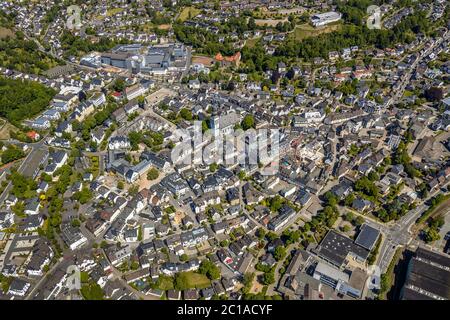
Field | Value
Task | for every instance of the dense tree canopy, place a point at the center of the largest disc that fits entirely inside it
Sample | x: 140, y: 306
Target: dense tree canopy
x: 20, y: 100
x: 18, y: 53
x: 75, y: 45
x: 209, y: 269
x: 248, y: 122
x: 12, y: 153
x: 152, y: 174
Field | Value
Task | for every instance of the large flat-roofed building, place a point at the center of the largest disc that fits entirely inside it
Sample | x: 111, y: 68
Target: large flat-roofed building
x: 367, y: 237
x: 338, y: 250
x: 322, y: 19
x: 350, y: 283
x: 156, y: 60
x: 427, y: 277
x: 118, y: 60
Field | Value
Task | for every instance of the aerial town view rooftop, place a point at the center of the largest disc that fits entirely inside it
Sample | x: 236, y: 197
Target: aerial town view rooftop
x: 225, y: 150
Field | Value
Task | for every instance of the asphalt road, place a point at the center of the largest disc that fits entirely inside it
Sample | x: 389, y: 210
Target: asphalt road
x: 36, y: 147
x: 399, y: 234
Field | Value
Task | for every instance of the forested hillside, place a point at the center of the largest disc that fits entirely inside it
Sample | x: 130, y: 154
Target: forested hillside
x: 22, y: 99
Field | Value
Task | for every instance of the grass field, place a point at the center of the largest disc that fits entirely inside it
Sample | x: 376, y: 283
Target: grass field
x: 95, y: 166
x: 113, y: 11
x: 187, y: 13
x: 407, y: 93
x: 196, y: 280
x: 269, y: 22
x: 5, y: 128
x: 304, y: 31
x: 165, y: 283
x: 252, y: 42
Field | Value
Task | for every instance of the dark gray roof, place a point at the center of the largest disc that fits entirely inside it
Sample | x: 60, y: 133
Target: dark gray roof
x: 367, y: 237
x: 409, y: 294
x: 18, y: 284
x: 427, y: 271
x: 335, y: 248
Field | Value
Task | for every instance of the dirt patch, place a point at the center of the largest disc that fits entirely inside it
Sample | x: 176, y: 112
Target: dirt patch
x: 164, y: 26
x: 5, y: 128
x: 269, y: 22
x: 256, y: 286
x: 5, y: 32
x: 178, y: 217
x: 206, y: 61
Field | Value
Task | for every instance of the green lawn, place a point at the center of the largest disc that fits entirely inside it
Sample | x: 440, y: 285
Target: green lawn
x: 196, y: 280
x: 165, y: 283
x: 250, y: 43
x: 92, y: 291
x: 113, y: 11
x: 188, y: 13
x: 95, y: 166
x: 304, y: 31
x: 184, y: 280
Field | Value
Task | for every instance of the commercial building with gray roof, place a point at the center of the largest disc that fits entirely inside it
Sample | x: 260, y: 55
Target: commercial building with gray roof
x: 367, y: 237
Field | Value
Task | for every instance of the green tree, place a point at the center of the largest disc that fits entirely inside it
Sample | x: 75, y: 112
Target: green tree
x: 330, y: 199
x: 209, y: 269
x: 359, y: 220
x: 279, y: 253
x: 83, y: 196
x: 431, y: 235
x: 181, y: 281
x: 119, y: 85
x: 260, y: 233
x: 213, y: 167
x: 248, y: 122
x: 12, y: 153
x: 184, y: 257
x: 75, y: 223
x: 373, y: 176
x: 152, y: 174
x: 248, y: 281
x: 92, y: 292
x: 268, y: 278
x: 349, y: 201
x: 186, y: 114
x: 349, y: 216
